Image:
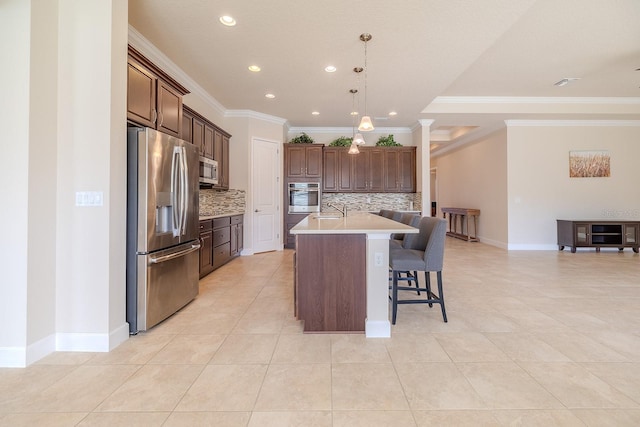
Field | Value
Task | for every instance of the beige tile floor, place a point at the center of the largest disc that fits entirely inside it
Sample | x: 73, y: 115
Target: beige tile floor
x: 534, y: 339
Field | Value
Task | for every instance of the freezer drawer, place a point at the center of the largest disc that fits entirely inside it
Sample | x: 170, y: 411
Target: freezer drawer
x: 166, y: 281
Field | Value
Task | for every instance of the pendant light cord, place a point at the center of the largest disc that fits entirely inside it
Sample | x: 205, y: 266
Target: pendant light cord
x: 365, y: 78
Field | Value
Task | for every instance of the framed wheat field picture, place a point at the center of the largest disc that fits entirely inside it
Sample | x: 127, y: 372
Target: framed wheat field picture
x: 589, y: 164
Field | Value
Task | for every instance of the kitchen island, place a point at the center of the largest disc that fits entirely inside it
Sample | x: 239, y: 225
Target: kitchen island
x: 342, y: 272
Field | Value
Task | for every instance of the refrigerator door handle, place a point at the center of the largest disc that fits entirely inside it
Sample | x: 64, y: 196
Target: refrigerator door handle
x: 184, y: 190
x: 175, y: 182
x: 156, y: 260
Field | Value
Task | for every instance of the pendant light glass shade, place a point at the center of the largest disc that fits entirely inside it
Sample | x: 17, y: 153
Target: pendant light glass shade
x: 365, y: 124
x: 358, y: 139
x: 353, y: 149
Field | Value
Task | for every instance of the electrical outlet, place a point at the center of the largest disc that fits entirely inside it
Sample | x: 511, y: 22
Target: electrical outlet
x: 379, y: 259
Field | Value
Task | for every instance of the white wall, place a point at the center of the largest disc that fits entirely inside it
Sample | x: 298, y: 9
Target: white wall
x: 475, y: 176
x: 519, y: 178
x: 65, y: 99
x: 541, y: 191
x: 15, y: 39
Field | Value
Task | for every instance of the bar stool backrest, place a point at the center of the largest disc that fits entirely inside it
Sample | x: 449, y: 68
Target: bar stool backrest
x: 436, y: 230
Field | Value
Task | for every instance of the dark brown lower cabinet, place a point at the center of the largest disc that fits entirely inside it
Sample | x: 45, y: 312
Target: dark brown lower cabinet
x: 221, y: 239
x: 290, y: 220
x: 237, y: 235
x: 330, y: 282
x: 206, y: 247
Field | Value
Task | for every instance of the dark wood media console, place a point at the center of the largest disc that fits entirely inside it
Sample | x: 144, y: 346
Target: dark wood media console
x: 598, y: 234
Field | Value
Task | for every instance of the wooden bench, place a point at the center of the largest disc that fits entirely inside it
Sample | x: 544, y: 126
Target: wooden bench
x: 463, y: 215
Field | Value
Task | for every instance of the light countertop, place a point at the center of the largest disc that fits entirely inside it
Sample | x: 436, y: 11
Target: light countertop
x: 205, y: 217
x: 353, y: 223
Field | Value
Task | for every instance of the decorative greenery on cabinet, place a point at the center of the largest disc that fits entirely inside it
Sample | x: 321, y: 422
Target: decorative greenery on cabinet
x: 341, y: 141
x: 301, y: 139
x: 387, y: 141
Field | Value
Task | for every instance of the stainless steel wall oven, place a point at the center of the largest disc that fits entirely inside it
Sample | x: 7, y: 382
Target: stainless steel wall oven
x: 304, y: 197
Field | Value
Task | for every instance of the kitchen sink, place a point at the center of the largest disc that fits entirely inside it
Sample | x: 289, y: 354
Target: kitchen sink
x: 326, y: 216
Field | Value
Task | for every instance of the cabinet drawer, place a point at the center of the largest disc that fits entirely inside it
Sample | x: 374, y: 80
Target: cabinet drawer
x: 221, y: 254
x: 221, y: 222
x: 221, y: 236
x: 236, y: 219
x: 205, y: 225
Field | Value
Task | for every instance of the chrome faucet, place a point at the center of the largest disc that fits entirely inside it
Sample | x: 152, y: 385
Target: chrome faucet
x: 343, y: 211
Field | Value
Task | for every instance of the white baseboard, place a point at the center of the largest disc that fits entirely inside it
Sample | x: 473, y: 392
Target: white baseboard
x: 13, y: 357
x: 377, y: 329
x: 92, y: 342
x: 532, y: 247
x: 490, y: 242
x: 21, y: 357
x: 518, y: 246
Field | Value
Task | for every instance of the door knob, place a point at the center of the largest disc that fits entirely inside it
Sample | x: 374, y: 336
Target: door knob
x: 257, y: 210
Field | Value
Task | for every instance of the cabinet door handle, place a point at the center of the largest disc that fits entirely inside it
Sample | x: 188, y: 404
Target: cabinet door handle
x: 161, y: 118
x: 155, y: 116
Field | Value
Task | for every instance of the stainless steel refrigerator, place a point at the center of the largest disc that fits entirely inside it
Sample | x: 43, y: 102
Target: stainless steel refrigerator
x: 162, y: 226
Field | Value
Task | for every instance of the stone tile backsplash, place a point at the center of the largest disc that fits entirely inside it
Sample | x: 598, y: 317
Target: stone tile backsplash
x: 373, y: 201
x: 217, y: 202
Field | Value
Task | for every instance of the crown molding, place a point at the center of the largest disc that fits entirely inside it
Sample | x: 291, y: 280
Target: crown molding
x: 421, y: 123
x: 250, y: 114
x: 349, y: 129
x: 565, y: 123
x: 534, y: 100
x: 148, y: 49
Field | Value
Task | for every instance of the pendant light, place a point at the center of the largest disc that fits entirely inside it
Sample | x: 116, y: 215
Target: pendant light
x: 353, y: 149
x: 365, y: 123
x: 358, y: 139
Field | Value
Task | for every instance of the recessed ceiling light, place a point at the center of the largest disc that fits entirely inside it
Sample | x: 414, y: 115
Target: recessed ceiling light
x: 392, y: 113
x: 227, y: 20
x: 315, y: 113
x: 270, y: 96
x: 566, y: 81
x: 254, y: 68
x: 354, y: 113
x: 330, y: 69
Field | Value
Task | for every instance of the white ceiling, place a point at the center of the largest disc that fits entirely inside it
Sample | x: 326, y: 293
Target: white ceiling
x: 458, y: 62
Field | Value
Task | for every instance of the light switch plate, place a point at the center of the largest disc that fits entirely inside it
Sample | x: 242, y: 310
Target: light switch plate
x: 89, y: 198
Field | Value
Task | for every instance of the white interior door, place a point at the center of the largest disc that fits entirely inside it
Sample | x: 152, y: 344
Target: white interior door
x: 265, y: 197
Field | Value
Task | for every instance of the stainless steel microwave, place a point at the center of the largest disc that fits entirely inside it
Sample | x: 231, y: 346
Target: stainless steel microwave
x: 304, y: 197
x: 208, y: 171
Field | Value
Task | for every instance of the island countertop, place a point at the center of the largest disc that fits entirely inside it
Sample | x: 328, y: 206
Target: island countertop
x: 353, y: 223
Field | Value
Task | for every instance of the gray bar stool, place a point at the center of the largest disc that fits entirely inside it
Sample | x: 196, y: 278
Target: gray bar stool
x: 424, y: 252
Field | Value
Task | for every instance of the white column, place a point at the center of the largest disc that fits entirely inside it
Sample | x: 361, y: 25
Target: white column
x: 90, y: 280
x: 377, y: 324
x: 422, y: 139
